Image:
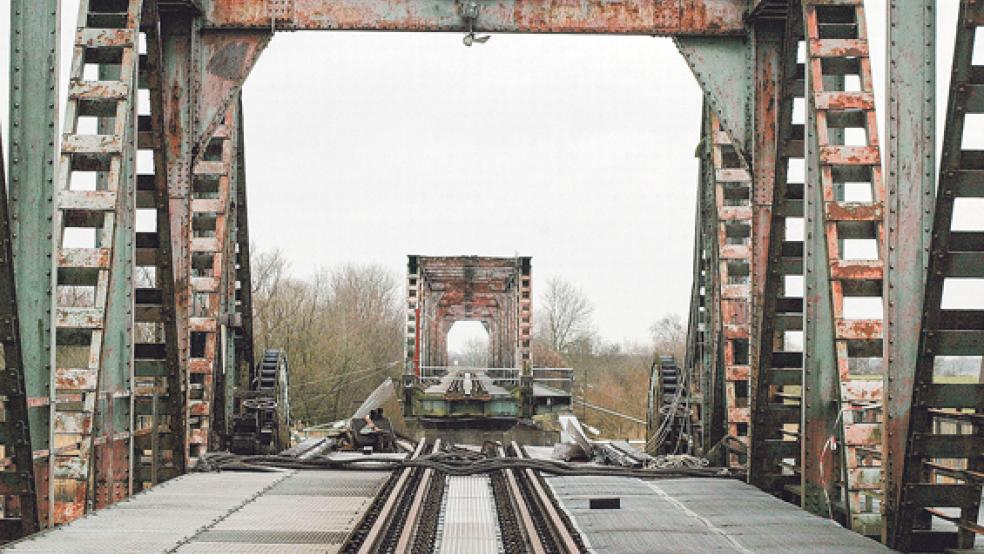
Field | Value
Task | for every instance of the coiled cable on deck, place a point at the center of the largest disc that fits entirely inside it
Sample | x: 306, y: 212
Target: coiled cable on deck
x: 456, y: 463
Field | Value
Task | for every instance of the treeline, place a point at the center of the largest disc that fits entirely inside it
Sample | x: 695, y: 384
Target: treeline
x: 342, y: 330
x: 608, y: 374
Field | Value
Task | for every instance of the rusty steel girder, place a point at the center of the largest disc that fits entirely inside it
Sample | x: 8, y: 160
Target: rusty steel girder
x: 443, y: 290
x: 639, y: 17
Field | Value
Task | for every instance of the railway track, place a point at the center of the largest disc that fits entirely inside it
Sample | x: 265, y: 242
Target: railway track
x: 424, y: 511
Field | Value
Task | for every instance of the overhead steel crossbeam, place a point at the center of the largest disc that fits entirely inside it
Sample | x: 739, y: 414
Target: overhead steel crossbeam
x: 641, y: 17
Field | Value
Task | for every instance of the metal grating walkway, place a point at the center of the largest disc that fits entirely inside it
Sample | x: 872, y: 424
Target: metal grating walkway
x: 698, y: 515
x: 248, y: 512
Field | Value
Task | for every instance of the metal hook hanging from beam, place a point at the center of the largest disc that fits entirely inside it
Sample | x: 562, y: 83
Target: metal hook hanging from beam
x: 470, y: 13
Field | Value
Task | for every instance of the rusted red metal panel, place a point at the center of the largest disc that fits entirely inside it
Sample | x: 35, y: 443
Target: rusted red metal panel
x: 640, y: 17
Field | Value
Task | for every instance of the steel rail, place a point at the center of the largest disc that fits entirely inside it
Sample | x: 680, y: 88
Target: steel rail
x: 525, y: 517
x: 378, y: 530
x: 405, y: 543
x: 558, y: 527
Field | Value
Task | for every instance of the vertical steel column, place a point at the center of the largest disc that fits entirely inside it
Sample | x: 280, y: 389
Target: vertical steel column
x: 244, y: 292
x: 230, y: 318
x: 820, y: 396
x: 17, y: 485
x: 777, y: 367
x: 34, y: 41
x: 158, y: 387
x: 179, y: 42
x: 767, y: 41
x: 414, y: 328
x: 943, y: 463
x: 910, y: 183
x: 696, y: 333
x: 93, y: 243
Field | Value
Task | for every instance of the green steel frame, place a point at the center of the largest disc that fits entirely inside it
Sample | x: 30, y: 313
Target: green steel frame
x: 744, y: 58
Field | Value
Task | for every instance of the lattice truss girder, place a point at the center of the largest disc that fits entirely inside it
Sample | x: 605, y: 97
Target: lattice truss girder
x: 109, y: 365
x: 733, y: 229
x: 158, y: 385
x: 845, y: 240
x: 940, y: 495
x: 93, y: 233
x: 211, y: 193
x: 774, y: 463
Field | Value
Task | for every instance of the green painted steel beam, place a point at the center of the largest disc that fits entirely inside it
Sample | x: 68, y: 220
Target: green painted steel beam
x: 114, y: 409
x: 910, y: 183
x: 724, y: 68
x: 34, y: 39
x: 820, y: 394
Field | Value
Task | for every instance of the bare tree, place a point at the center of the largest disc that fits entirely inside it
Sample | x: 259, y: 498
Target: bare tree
x: 341, y: 329
x: 473, y: 353
x: 564, y: 315
x: 669, y: 336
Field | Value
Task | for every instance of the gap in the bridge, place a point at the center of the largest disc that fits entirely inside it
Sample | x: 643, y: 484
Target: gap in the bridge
x: 468, y: 344
x: 569, y: 146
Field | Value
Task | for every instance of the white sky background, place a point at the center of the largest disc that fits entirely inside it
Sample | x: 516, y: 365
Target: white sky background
x: 575, y: 150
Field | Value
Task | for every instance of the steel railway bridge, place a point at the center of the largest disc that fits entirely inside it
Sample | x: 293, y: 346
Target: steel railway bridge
x: 123, y: 349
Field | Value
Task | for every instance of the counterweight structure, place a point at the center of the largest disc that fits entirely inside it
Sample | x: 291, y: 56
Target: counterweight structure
x: 821, y: 263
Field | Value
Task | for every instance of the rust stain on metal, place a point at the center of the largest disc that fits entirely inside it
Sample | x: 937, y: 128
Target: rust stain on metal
x: 658, y: 17
x: 228, y: 61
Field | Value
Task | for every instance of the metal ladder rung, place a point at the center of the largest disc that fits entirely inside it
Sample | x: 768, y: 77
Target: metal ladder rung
x: 972, y: 417
x: 210, y: 169
x: 76, y: 378
x: 843, y: 155
x: 78, y: 318
x: 88, y: 200
x: 976, y: 477
x: 105, y: 38
x: 857, y: 270
x: 839, y: 48
x: 845, y: 100
x: 963, y: 264
x: 83, y: 258
x: 92, y: 145
x: 99, y: 91
x: 854, y: 211
x: 957, y: 520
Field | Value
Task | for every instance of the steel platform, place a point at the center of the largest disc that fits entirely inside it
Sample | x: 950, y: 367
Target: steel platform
x: 254, y: 512
x: 696, y: 516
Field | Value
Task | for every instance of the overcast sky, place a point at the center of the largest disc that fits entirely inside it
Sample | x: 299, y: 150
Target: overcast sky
x: 575, y: 150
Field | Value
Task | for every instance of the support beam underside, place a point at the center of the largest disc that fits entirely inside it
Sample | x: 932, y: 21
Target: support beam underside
x: 639, y: 17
